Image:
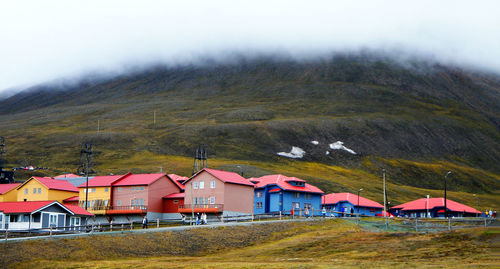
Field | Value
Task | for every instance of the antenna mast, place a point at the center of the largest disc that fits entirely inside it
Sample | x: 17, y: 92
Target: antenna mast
x: 200, y: 159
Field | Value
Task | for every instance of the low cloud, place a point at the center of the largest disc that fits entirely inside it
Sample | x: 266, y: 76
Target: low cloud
x: 45, y: 40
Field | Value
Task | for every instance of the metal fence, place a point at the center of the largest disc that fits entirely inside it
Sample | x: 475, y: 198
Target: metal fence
x: 378, y: 223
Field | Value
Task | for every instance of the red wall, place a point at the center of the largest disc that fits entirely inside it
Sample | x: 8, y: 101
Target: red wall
x: 157, y: 190
x: 170, y: 207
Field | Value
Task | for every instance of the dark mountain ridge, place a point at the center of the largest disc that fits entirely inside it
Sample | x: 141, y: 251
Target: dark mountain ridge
x: 253, y: 108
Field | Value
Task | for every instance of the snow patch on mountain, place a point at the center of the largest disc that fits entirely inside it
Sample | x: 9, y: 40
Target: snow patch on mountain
x: 340, y: 145
x: 314, y: 142
x: 295, y: 153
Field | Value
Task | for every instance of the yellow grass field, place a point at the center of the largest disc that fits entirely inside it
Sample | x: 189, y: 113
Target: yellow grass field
x: 317, y: 244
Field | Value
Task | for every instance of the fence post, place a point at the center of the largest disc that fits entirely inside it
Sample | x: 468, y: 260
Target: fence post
x: 131, y: 225
x: 122, y: 226
x: 6, y: 234
x: 416, y: 224
x: 157, y: 223
x: 449, y: 224
x: 111, y: 226
x: 50, y: 231
x: 280, y: 214
x: 484, y: 222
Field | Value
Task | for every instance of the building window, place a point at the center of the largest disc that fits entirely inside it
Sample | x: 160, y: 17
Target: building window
x: 258, y: 205
x: 202, y: 184
x: 26, y: 191
x: 34, y: 190
x: 295, y: 205
x: 93, y: 189
x: 119, y: 188
x: 195, y: 200
x: 308, y: 196
x: 142, y: 188
x: 212, y: 200
x: 106, y: 189
x: 133, y: 188
x: 258, y: 194
x: 296, y: 195
x: 176, y: 201
x: 195, y: 185
x: 132, y: 202
x: 119, y: 202
x: 212, y: 184
x: 39, y: 190
x: 306, y: 205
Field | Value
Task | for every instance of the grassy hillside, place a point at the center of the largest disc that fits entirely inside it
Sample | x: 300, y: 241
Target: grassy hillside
x: 417, y: 121
x: 318, y: 244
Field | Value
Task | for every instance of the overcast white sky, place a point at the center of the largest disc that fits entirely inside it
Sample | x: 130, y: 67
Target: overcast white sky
x: 45, y: 40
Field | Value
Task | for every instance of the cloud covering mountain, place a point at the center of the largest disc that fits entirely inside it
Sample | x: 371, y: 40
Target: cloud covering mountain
x: 52, y: 39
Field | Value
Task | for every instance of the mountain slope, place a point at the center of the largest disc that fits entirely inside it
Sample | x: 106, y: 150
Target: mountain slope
x: 417, y: 120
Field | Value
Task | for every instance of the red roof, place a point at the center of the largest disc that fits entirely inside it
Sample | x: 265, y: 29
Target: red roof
x: 283, y: 182
x: 177, y: 177
x: 7, y: 187
x: 275, y: 190
x: 174, y: 195
x: 421, y: 204
x: 138, y: 179
x: 225, y: 176
x: 333, y: 198
x: 78, y: 210
x: 67, y: 175
x: 178, y: 180
x: 31, y: 206
x: 102, y: 181
x: 23, y: 207
x: 54, y: 184
x: 71, y: 199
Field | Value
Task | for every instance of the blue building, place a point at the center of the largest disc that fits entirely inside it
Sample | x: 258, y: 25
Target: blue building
x: 347, y: 203
x: 275, y: 193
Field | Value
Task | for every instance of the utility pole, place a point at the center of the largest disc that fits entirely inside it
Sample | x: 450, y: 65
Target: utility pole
x: 192, y: 203
x: 86, y: 167
x: 154, y: 118
x: 445, y: 208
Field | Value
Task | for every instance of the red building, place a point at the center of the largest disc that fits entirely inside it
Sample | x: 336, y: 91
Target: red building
x: 218, y: 192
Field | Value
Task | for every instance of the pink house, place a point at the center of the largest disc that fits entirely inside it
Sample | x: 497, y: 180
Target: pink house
x: 218, y: 192
x: 140, y: 194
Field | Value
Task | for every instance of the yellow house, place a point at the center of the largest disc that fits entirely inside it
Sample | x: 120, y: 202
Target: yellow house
x: 99, y: 193
x: 8, y: 192
x: 45, y: 188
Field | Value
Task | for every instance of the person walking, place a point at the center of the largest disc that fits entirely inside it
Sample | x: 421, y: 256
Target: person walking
x: 183, y: 219
x: 144, y: 222
x: 306, y: 212
x: 203, y: 218
x: 198, y: 219
x: 323, y: 212
x: 291, y: 213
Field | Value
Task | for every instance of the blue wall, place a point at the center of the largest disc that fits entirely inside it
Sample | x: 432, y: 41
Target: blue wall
x: 282, y: 201
x: 365, y: 211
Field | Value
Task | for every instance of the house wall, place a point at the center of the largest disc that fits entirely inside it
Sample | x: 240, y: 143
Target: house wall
x: 217, y: 192
x: 288, y: 199
x: 96, y: 194
x: 238, y: 198
x: 10, y: 196
x: 125, y: 195
x: 366, y: 211
x: 30, y: 196
x: 274, y: 202
x: 59, y: 195
x: 260, y: 200
x: 170, y: 206
x: 156, y: 190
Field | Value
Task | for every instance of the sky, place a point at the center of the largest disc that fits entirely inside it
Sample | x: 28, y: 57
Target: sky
x: 46, y: 40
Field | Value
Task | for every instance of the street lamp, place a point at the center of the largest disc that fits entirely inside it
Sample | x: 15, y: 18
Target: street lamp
x: 445, y: 208
x: 477, y: 203
x: 358, y: 200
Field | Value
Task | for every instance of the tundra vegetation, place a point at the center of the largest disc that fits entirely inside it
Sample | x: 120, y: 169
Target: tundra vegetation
x: 313, y: 244
x: 417, y: 120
